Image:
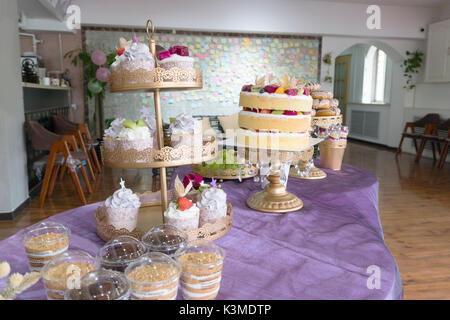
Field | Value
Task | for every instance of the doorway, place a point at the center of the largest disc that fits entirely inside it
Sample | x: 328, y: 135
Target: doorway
x: 341, y: 81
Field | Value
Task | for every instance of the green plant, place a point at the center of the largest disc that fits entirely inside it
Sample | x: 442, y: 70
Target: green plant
x: 90, y: 69
x: 327, y: 58
x: 411, y: 65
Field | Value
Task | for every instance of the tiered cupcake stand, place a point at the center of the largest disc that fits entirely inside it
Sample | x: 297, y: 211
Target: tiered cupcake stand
x: 165, y: 156
x: 314, y: 172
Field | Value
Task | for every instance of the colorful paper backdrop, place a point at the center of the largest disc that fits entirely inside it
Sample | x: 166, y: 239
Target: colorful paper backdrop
x: 227, y: 63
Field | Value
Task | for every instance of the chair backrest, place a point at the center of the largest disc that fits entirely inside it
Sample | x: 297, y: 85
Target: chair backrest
x: 62, y: 125
x: 41, y: 138
x: 444, y: 126
x: 433, y: 118
x: 84, y: 129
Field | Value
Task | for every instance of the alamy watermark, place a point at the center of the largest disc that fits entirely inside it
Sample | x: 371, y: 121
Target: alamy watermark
x: 374, y: 19
x: 374, y: 280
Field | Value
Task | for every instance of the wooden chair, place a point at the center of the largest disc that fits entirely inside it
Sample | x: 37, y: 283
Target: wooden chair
x: 90, y: 144
x: 430, y: 134
x: 64, y: 126
x: 63, y: 152
x: 445, y: 126
x: 431, y: 118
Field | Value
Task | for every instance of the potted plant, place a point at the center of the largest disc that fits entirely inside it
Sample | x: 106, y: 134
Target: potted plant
x: 411, y: 65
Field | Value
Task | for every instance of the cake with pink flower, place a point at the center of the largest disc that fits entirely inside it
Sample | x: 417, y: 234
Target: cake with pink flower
x: 176, y: 56
x: 122, y: 208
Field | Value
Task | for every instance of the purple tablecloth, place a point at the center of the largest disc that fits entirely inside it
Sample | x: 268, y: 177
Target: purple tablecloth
x: 320, y: 252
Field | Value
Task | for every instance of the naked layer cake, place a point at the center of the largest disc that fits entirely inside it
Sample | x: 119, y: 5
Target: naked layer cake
x: 276, y: 115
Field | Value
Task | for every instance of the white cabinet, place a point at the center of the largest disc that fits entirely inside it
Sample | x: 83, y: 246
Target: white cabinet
x: 437, y: 66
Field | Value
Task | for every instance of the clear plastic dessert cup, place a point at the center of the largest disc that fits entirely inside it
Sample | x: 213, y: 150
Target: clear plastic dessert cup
x: 101, y: 284
x: 65, y: 271
x: 201, y: 265
x: 122, y: 218
x: 45, y: 241
x: 165, y: 238
x: 119, y: 252
x: 154, y: 276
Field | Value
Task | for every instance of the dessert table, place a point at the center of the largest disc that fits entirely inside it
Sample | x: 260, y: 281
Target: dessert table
x: 322, y: 251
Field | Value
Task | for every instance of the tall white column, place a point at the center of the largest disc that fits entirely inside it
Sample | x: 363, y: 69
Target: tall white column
x: 13, y: 163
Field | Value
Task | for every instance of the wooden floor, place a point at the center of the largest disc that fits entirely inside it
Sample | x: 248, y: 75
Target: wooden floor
x: 414, y: 202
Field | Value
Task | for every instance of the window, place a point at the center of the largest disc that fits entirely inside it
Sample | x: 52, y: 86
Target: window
x: 374, y: 84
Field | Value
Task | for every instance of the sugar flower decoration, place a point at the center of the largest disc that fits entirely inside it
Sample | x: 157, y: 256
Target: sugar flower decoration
x: 5, y: 269
x: 213, y: 183
x: 180, y: 189
x: 15, y: 280
x: 124, y: 43
x: 136, y: 39
x: 195, y: 179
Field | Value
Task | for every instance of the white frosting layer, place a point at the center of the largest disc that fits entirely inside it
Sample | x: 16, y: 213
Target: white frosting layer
x: 177, y: 58
x: 155, y: 293
x: 174, y: 213
x: 115, y: 128
x: 198, y: 295
x: 282, y: 134
x: 46, y: 253
x: 201, y: 285
x: 140, y: 133
x: 273, y: 116
x: 213, y: 199
x: 184, y: 123
x: 123, y: 198
x: 213, y: 275
x: 136, y: 51
x: 277, y: 95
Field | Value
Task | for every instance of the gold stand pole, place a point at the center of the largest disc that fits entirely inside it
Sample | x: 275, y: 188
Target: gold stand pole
x: 158, y: 118
x: 274, y: 198
x: 314, y: 172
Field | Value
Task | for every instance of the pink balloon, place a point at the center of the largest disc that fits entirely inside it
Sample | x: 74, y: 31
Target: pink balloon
x: 102, y: 74
x: 98, y: 57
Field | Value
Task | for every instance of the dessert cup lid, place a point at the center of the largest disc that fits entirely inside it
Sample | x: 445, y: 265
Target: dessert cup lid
x: 153, y: 258
x: 100, y: 284
x: 164, y: 237
x: 202, y: 246
x: 69, y: 256
x: 120, y: 250
x: 46, y: 227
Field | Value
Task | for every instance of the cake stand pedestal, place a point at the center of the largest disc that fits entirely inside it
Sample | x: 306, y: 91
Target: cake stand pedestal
x: 275, y: 198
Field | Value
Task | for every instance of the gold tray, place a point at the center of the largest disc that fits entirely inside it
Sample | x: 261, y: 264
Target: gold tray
x: 326, y: 122
x: 154, y: 158
x: 158, y: 78
x: 150, y: 216
x: 224, y: 174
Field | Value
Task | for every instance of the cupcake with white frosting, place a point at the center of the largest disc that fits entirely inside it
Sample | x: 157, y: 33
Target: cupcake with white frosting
x: 122, y: 208
x: 185, y: 130
x: 212, y: 204
x: 127, y: 134
x: 177, y: 56
x: 182, y: 213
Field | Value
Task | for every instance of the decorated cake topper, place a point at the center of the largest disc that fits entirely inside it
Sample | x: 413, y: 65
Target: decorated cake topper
x: 124, y: 43
x: 180, y: 190
x: 213, y: 183
x: 122, y: 183
x: 136, y: 39
x: 118, y: 113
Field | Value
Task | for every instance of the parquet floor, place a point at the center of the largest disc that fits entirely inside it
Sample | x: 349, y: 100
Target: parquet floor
x: 414, y: 203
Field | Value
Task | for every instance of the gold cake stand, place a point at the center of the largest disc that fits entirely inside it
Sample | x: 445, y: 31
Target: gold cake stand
x: 275, y: 198
x: 155, y: 81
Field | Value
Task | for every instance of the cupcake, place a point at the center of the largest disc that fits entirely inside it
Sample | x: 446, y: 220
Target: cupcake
x: 165, y: 238
x: 122, y: 208
x: 201, y: 266
x: 175, y: 57
x: 100, y: 285
x: 127, y: 134
x: 185, y: 130
x: 182, y: 213
x: 45, y: 241
x: 132, y: 57
x: 120, y: 252
x: 65, y: 271
x: 212, y: 204
x: 154, y: 276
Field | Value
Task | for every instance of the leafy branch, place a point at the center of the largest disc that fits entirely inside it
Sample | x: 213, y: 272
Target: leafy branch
x: 411, y: 67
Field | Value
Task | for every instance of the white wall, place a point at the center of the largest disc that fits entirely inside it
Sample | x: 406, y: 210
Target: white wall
x: 282, y: 16
x: 13, y: 169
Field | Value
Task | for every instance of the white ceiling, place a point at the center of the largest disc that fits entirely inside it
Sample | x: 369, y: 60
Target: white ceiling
x: 415, y: 3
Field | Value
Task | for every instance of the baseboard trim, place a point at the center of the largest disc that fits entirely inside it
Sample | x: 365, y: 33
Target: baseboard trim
x: 8, y: 216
